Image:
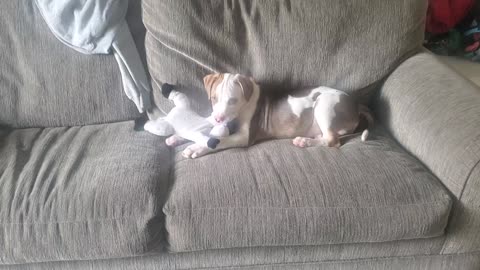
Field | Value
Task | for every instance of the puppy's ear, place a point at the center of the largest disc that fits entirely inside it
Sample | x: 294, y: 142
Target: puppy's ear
x: 246, y: 83
x: 210, y: 82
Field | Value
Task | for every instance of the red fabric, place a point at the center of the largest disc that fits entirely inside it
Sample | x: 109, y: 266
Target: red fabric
x: 443, y: 15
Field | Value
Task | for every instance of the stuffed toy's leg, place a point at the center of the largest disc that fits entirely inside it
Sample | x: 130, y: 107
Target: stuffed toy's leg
x: 201, y: 139
x: 179, y: 99
x: 188, y: 125
x: 159, y: 127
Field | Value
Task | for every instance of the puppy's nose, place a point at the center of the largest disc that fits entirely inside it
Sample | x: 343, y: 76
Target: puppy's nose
x: 219, y: 118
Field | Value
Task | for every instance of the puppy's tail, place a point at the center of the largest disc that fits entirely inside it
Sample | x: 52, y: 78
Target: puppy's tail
x: 365, y: 134
x: 365, y: 112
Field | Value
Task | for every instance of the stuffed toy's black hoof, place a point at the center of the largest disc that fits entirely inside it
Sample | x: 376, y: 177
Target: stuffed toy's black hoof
x: 167, y: 89
x: 212, y: 143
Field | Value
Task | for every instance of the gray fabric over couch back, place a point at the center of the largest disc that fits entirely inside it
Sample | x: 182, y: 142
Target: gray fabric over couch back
x: 44, y: 83
x: 346, y: 44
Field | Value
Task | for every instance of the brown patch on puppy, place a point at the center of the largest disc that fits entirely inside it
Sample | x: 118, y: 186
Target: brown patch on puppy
x: 211, y: 82
x: 247, y: 86
x: 275, y: 119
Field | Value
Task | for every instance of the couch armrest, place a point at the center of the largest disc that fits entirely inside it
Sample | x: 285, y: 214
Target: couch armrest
x: 435, y: 114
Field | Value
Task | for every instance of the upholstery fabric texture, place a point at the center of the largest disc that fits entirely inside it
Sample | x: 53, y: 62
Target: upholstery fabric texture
x: 274, y: 194
x: 434, y: 113
x: 44, y: 83
x: 283, y: 44
x: 80, y: 193
x: 104, y: 196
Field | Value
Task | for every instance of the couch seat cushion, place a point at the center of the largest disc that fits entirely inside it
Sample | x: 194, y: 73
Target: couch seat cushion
x: 274, y: 194
x: 80, y: 193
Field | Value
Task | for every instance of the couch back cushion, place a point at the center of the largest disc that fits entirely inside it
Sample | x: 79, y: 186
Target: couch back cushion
x: 346, y: 44
x: 45, y: 83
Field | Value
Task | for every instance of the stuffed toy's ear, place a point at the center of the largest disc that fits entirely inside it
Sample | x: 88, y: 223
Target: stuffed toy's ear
x: 246, y: 83
x: 211, y: 81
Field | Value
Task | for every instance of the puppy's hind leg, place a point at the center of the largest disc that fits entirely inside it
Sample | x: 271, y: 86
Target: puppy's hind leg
x: 329, y: 141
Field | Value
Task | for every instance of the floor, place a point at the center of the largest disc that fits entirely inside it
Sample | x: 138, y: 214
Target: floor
x: 471, y: 70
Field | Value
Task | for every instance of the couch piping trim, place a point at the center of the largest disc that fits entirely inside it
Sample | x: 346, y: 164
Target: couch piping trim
x: 338, y: 261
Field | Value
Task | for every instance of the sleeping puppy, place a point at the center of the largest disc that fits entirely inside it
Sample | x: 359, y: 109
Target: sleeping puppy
x: 233, y: 96
x: 317, y: 116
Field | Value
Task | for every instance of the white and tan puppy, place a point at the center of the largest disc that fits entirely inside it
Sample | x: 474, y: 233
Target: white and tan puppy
x: 233, y: 96
x: 318, y: 116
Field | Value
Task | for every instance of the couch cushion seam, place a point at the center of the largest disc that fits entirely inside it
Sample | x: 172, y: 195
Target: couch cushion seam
x: 469, y: 175
x: 73, y: 221
x: 311, y: 207
x: 460, y: 197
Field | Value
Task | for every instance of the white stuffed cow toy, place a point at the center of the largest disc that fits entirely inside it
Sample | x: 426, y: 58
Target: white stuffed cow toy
x: 183, y: 124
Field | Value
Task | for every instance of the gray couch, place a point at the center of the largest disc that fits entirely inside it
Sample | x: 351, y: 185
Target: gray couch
x: 80, y: 188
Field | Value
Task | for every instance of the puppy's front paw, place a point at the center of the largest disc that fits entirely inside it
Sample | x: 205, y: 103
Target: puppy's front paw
x: 171, y: 141
x: 195, y: 151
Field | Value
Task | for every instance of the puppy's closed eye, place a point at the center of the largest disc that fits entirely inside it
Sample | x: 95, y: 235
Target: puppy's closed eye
x: 232, y: 101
